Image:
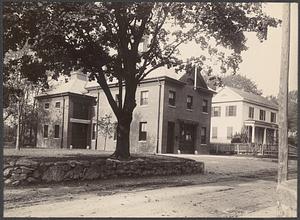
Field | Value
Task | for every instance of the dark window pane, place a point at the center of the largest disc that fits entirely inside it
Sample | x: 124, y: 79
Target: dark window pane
x: 94, y: 131
x: 56, y: 131
x: 189, y: 102
x: 143, y: 131
x: 203, y: 135
x: 216, y: 111
x: 231, y: 110
x: 262, y: 115
x: 172, y: 98
x: 205, y: 106
x: 144, y: 98
x: 251, y: 112
x: 45, y: 131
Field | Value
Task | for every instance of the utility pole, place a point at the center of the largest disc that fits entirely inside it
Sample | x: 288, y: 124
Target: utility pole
x: 283, y: 96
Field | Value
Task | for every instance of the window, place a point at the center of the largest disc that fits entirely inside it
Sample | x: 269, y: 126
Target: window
x: 205, y: 106
x: 229, y: 132
x: 117, y: 99
x: 189, y: 102
x: 46, y: 106
x: 144, y: 98
x: 262, y: 115
x: 216, y: 111
x: 94, y: 131
x: 116, y: 131
x: 273, y: 117
x: 251, y: 112
x: 172, y: 98
x: 57, y: 104
x: 231, y: 110
x: 143, y: 131
x: 56, y: 131
x: 203, y: 135
x: 45, y: 134
x: 80, y: 110
x: 214, y: 132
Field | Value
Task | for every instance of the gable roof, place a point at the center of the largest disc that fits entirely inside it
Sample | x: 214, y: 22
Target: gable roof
x: 254, y: 98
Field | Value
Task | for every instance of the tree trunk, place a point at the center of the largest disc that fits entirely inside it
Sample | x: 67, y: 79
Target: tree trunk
x: 105, y: 142
x: 123, y: 131
x: 18, y: 126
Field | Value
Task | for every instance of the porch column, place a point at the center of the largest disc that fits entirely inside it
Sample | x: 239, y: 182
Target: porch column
x: 253, y: 134
x: 275, y: 136
x: 265, y: 136
x: 248, y: 134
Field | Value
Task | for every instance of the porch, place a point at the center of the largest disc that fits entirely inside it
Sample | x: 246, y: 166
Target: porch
x: 260, y: 132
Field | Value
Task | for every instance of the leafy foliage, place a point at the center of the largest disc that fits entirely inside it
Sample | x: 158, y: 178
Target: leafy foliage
x: 241, y: 82
x: 106, y: 126
x: 104, y: 39
x: 241, y: 137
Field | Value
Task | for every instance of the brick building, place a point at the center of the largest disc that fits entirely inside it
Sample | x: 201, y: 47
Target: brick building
x: 172, y: 114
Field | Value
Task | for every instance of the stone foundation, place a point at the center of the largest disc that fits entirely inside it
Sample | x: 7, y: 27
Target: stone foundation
x: 29, y: 171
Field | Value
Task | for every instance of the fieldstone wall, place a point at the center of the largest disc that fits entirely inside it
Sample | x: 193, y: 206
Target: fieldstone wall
x: 29, y: 171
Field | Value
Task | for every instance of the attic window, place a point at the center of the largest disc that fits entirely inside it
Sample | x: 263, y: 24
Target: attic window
x: 46, y: 105
x: 57, y: 104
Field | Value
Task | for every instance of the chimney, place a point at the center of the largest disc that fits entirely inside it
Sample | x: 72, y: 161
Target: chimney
x: 78, y: 75
x: 195, y: 78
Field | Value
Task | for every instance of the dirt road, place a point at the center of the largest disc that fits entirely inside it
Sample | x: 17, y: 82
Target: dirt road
x: 231, y: 187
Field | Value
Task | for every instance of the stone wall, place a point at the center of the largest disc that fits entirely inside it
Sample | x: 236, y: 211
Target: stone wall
x: 29, y: 171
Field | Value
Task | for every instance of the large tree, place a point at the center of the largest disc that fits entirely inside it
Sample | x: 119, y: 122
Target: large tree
x: 103, y: 39
x: 19, y: 88
x: 241, y: 82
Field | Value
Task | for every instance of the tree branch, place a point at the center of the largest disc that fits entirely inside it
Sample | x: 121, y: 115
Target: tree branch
x: 103, y: 83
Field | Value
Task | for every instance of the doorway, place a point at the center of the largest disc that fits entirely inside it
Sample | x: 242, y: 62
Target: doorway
x: 187, y: 138
x: 79, y: 135
x: 170, y: 137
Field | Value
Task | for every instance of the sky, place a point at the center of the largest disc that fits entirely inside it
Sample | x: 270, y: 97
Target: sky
x: 261, y: 62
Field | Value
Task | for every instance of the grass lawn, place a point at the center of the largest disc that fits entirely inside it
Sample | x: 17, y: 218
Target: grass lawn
x: 49, y: 155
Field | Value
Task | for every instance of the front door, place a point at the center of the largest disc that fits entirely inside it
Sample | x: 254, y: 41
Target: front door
x: 170, y: 137
x: 187, y: 138
x: 79, y: 135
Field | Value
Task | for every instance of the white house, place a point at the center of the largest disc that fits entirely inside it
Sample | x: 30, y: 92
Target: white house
x: 233, y: 109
